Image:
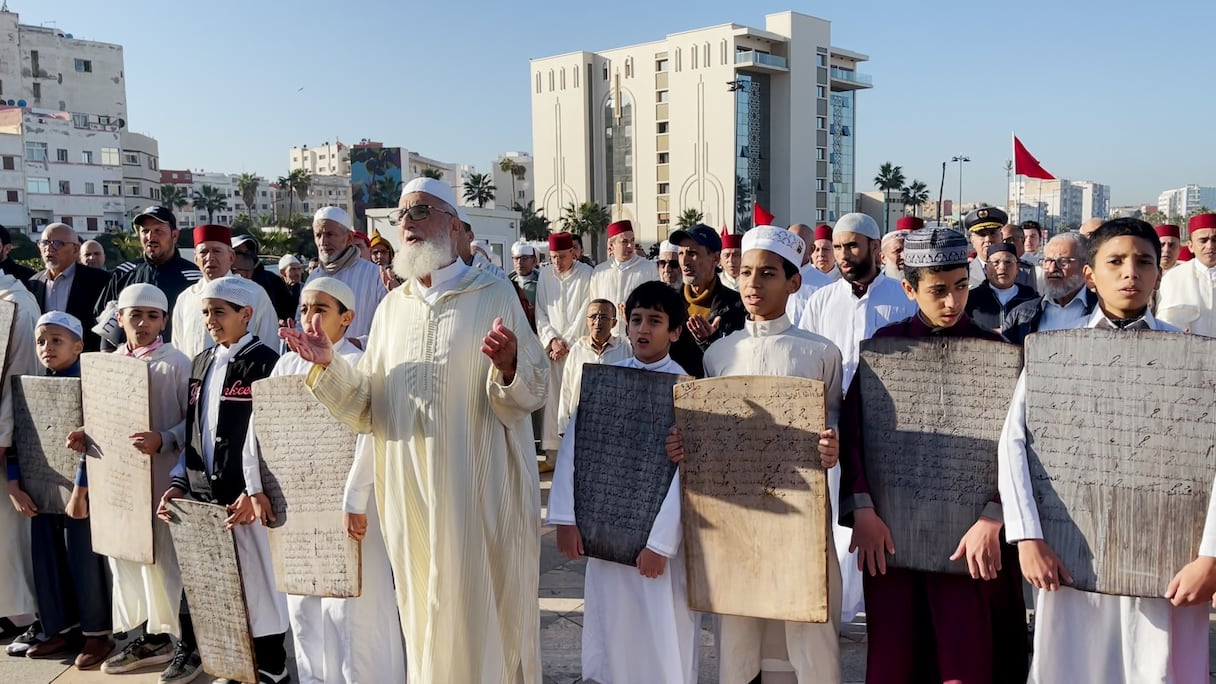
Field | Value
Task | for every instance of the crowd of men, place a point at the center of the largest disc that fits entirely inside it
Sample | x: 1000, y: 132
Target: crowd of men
x: 464, y: 380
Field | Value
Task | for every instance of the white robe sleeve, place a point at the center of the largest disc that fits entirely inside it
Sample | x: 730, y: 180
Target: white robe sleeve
x: 357, y: 494
x: 530, y: 387
x: 345, y: 390
x: 250, y: 461
x: 266, y: 327
x: 1179, y: 300
x: 1207, y: 547
x: 544, y: 329
x: 833, y: 392
x: 1020, y: 511
x: 561, y: 495
x: 666, y: 533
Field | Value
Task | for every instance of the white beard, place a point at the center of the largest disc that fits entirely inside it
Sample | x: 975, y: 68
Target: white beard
x: 418, y: 260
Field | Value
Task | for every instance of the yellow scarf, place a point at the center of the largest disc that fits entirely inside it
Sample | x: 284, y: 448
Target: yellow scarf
x: 698, y: 305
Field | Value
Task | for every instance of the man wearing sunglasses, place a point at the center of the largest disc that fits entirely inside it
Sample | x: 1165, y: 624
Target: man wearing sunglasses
x: 65, y: 285
x: 669, y: 265
x: 339, y: 255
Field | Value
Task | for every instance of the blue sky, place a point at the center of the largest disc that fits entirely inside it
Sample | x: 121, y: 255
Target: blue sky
x: 1119, y: 92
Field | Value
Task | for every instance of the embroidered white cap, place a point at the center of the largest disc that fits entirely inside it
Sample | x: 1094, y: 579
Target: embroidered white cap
x: 63, y: 320
x: 780, y: 241
x: 334, y: 288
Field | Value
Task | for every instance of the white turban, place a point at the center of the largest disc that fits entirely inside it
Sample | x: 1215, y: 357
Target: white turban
x: 334, y: 288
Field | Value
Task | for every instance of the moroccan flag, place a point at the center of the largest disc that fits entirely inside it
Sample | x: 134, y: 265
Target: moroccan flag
x: 761, y: 217
x: 1024, y: 164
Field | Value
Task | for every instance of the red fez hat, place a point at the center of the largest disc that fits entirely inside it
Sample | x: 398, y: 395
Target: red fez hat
x: 730, y: 240
x: 212, y: 233
x: 1184, y: 254
x: 560, y: 241
x: 1202, y: 222
x: 1168, y: 230
x: 617, y: 227
x: 823, y: 232
x: 362, y: 237
x: 909, y: 223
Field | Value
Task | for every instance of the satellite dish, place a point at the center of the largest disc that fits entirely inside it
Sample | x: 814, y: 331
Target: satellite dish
x: 122, y: 123
x: 10, y: 103
x: 20, y: 103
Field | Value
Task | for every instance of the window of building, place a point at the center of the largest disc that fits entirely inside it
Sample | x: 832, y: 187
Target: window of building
x: 537, y: 90
x: 36, y: 151
x: 153, y: 163
x: 86, y: 157
x: 664, y: 157
x: 821, y: 92
x: 662, y: 127
x: 821, y: 122
x: 67, y: 220
x: 10, y: 163
x: 109, y: 156
x: 90, y: 189
x: 660, y: 65
x: 133, y: 190
x: 618, y: 148
x: 37, y: 92
x: 664, y: 218
x: 821, y: 153
x: 664, y: 188
x: 111, y: 225
x: 662, y: 95
x: 552, y: 79
x: 576, y: 71
x: 40, y: 186
x: 111, y: 188
x: 154, y: 192
x: 605, y: 71
x: 821, y: 215
x: 821, y: 184
x: 130, y: 158
x: 629, y: 68
x: 91, y: 223
x: 821, y: 60
x: 84, y: 66
x: 80, y: 120
x: 65, y: 187
x: 103, y: 120
x: 13, y: 196
x: 61, y: 155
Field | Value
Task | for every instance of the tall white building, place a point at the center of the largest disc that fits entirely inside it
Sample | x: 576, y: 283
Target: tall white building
x: 234, y: 205
x: 140, y: 171
x: 329, y: 159
x: 714, y: 119
x: 1059, y: 201
x: 1182, y: 202
x: 512, y: 189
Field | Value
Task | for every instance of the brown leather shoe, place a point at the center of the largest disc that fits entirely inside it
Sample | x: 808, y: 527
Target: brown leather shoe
x: 95, y: 651
x: 54, y: 647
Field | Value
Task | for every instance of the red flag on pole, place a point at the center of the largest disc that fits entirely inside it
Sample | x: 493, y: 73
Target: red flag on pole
x: 761, y: 217
x: 1024, y: 163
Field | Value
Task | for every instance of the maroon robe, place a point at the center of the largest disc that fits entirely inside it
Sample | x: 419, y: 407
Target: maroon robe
x: 925, y: 626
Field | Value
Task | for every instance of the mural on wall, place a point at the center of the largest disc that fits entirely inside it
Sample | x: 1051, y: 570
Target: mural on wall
x: 375, y: 180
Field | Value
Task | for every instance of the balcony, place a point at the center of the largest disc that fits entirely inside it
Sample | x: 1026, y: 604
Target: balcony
x: 760, y: 60
x: 843, y: 79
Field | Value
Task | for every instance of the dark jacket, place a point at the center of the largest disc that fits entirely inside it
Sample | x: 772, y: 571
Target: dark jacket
x: 87, y: 285
x: 226, y: 480
x: 726, y: 304
x: 280, y: 296
x: 18, y: 271
x: 1025, y: 318
x: 986, y: 310
x: 172, y: 277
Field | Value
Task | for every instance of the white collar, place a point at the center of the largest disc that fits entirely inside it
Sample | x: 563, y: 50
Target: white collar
x: 1099, y: 320
x: 1079, y: 297
x: 444, y: 275
x: 625, y: 265
x: 767, y: 328
x: 652, y: 366
x: 225, y: 353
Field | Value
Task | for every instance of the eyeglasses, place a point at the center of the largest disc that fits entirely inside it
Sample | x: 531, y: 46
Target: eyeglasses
x: 667, y: 263
x: 418, y: 212
x: 1059, y: 262
x: 599, y: 317
x: 55, y: 244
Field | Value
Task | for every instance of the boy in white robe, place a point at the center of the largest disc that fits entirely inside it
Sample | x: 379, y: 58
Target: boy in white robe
x: 341, y: 640
x: 637, y: 626
x: 1088, y: 637
x: 149, y: 594
x: 753, y: 649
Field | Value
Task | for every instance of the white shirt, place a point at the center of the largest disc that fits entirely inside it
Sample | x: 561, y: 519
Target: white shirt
x: 615, y: 280
x: 442, y: 280
x: 1188, y: 298
x: 1004, y: 296
x: 812, y: 280
x: 1071, y: 315
x: 213, y: 388
x: 561, y: 303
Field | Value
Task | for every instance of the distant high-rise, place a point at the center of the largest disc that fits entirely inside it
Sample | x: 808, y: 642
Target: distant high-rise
x: 1058, y: 202
x: 1182, y: 202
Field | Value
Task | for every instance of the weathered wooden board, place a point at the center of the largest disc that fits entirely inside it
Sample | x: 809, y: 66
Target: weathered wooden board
x: 116, y: 405
x: 755, y: 499
x: 211, y: 576
x: 8, y: 314
x: 621, y: 469
x: 306, y: 457
x: 932, y: 412
x: 45, y: 410
x: 1122, y: 452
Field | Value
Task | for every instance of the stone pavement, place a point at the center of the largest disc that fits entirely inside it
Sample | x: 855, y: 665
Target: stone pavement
x: 561, y: 620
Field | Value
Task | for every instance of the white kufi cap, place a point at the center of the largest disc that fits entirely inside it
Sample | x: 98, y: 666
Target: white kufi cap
x: 288, y: 260
x: 63, y: 320
x: 143, y: 294
x: 335, y: 214
x: 522, y: 249
x: 780, y: 241
x: 334, y: 288
x: 435, y: 188
x: 231, y: 289
x: 666, y: 247
x: 858, y: 223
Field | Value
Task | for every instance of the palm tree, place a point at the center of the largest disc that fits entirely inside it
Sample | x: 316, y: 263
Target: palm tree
x: 283, y: 185
x: 532, y: 224
x: 210, y: 200
x: 890, y: 177
x: 384, y: 193
x: 689, y: 218
x: 588, y: 218
x: 432, y: 173
x: 479, y: 189
x: 247, y: 185
x: 299, y: 181
x: 173, y: 196
x: 914, y: 195
x: 517, y: 171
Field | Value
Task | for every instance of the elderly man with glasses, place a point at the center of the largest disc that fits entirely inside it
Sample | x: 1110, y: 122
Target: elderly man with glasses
x: 339, y: 256
x: 1066, y: 302
x: 66, y: 285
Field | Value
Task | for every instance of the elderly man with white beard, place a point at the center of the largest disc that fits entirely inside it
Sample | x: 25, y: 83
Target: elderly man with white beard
x: 446, y: 387
x: 1066, y: 302
x: 340, y: 258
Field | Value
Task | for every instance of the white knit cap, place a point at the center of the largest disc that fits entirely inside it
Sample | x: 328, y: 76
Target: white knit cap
x: 233, y: 289
x: 780, y: 241
x: 858, y: 223
x: 435, y: 188
x: 143, y: 294
x: 63, y: 320
x: 288, y: 260
x: 666, y: 247
x: 480, y: 244
x: 522, y: 249
x: 334, y: 288
x: 335, y: 214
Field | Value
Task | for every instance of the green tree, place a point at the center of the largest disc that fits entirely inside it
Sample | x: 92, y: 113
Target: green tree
x: 479, y: 189
x: 300, y: 180
x: 689, y: 218
x: 242, y: 224
x: 890, y: 177
x: 914, y: 195
x: 209, y: 199
x: 247, y: 185
x: 284, y: 185
x: 517, y: 171
x: 173, y: 196
x: 385, y: 193
x: 590, y: 219
x: 532, y: 224
x: 432, y: 173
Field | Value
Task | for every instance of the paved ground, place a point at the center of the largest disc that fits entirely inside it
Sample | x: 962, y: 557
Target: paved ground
x: 561, y: 604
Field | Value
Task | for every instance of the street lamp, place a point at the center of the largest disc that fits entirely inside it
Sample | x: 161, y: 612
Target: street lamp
x: 961, y: 159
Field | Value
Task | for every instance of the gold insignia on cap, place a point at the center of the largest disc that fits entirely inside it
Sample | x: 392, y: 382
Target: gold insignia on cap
x: 983, y: 213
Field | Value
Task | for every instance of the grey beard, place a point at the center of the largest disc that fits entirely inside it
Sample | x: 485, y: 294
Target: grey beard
x: 1062, y: 288
x: 418, y: 261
